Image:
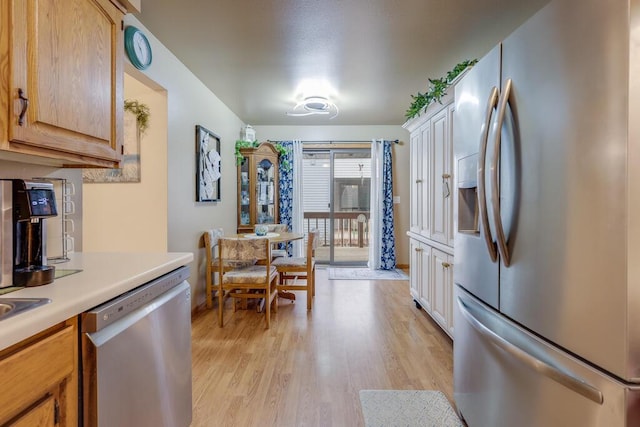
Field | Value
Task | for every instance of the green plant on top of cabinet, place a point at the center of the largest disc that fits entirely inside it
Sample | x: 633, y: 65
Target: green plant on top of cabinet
x: 282, y: 152
x: 61, y: 88
x: 436, y: 90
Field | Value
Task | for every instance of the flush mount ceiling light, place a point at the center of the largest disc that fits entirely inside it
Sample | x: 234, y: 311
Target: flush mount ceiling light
x: 312, y: 105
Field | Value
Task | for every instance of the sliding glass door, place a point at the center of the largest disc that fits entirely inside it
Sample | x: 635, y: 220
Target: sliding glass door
x: 336, y: 202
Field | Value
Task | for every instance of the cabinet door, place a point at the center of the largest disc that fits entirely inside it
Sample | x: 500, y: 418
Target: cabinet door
x: 417, y: 183
x: 42, y: 371
x: 266, y: 191
x: 67, y: 60
x: 415, y: 269
x: 424, y: 285
x: 42, y: 415
x: 448, y: 172
x: 440, y: 185
x: 425, y: 160
x: 448, y: 290
x: 440, y: 270
x: 244, y: 194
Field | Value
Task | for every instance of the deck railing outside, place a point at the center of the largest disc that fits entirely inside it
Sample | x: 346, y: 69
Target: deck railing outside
x: 351, y: 227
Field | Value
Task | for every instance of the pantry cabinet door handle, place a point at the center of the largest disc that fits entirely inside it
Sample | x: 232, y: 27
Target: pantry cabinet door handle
x: 25, y: 105
x: 446, y: 192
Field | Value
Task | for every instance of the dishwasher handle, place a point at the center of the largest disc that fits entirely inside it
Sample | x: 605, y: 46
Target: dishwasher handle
x: 104, y: 335
x: 105, y: 314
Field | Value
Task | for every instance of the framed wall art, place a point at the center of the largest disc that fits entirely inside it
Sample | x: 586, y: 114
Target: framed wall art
x: 208, y: 175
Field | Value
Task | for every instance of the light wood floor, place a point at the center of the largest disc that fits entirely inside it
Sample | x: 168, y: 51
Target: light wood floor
x: 308, y: 368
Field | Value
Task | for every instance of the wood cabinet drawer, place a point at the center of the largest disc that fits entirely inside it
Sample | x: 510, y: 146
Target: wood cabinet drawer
x: 35, y: 370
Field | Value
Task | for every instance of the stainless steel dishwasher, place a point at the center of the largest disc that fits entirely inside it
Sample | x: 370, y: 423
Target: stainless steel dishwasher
x: 136, y: 356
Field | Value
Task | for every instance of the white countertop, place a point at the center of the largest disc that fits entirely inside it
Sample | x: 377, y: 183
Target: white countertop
x: 104, y: 276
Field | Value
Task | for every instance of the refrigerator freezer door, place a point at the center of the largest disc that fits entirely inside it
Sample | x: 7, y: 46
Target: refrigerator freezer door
x: 506, y: 376
x: 567, y: 279
x: 476, y: 99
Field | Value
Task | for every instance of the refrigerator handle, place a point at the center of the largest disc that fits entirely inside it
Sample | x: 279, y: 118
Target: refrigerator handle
x: 482, y: 158
x: 547, y: 368
x: 495, y: 196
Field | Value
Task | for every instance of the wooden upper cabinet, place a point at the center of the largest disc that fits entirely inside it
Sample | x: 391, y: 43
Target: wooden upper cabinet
x: 67, y: 61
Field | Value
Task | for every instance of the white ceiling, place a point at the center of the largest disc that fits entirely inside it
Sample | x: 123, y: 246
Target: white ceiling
x: 253, y: 54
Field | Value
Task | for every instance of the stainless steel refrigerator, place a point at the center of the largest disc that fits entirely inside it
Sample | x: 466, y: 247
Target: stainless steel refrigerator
x: 547, y: 222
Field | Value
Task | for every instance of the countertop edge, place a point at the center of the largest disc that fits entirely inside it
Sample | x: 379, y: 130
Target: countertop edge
x: 104, y: 276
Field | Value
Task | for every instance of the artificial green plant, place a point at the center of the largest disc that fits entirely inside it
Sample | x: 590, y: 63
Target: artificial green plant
x: 282, y: 151
x: 436, y: 90
x: 141, y: 111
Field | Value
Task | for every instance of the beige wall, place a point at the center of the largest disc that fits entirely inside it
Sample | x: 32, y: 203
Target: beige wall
x: 345, y: 133
x: 190, y: 103
x: 132, y: 217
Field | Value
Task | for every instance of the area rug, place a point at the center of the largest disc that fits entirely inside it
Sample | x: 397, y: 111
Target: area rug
x: 366, y: 274
x: 407, y: 408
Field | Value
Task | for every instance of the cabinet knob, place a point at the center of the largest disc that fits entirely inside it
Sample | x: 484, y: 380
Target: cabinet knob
x: 446, y: 176
x: 418, y: 181
x: 418, y: 249
x: 25, y: 105
x: 446, y: 265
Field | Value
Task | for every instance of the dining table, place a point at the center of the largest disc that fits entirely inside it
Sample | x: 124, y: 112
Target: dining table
x: 274, y: 237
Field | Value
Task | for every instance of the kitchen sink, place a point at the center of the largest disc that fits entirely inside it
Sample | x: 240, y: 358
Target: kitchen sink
x: 12, y: 306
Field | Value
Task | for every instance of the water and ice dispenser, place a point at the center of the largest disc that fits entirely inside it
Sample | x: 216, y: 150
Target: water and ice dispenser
x: 468, y: 195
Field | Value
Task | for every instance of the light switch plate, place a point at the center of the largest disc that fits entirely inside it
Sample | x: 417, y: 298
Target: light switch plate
x: 396, y: 200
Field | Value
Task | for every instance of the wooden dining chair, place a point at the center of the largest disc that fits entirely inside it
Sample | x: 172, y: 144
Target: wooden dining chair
x: 278, y: 228
x: 293, y: 268
x: 211, y: 238
x: 213, y: 263
x: 254, y: 281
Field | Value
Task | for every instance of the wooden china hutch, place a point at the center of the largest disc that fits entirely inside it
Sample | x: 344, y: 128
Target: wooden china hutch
x: 258, y: 193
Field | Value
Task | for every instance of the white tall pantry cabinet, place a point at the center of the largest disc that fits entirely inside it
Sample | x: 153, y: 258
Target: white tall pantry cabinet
x: 431, y: 218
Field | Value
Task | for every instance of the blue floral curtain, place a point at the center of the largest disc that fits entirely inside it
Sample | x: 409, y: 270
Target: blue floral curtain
x: 285, y: 171
x: 382, y: 250
x: 388, y: 249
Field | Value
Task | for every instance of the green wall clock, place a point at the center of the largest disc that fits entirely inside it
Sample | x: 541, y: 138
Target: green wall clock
x: 137, y: 47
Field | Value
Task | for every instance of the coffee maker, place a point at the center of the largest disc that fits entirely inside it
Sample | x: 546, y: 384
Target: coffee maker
x: 25, y: 206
